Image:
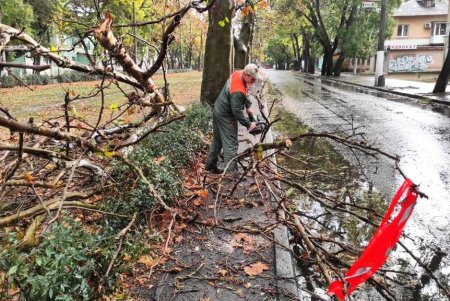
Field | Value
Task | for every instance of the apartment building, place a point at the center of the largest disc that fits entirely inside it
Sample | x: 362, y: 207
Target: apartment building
x: 417, y: 43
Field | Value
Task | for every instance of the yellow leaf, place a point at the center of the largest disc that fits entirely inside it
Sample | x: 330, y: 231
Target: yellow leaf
x: 255, y: 269
x: 113, y: 107
x: 109, y: 154
x: 73, y: 111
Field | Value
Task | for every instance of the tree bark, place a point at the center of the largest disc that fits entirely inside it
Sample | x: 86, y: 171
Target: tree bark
x: 311, y: 65
x: 442, y: 81
x: 242, y: 47
x: 295, y: 53
x: 299, y: 56
x: 217, y: 67
x: 338, y: 65
x: 327, y: 64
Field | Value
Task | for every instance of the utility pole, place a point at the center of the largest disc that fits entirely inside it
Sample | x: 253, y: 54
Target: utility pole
x: 135, y: 54
x: 380, y: 49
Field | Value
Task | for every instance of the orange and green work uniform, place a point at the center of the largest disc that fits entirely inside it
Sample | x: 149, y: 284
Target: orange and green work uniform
x: 228, y: 111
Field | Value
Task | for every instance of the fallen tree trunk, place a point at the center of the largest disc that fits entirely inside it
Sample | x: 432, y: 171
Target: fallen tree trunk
x: 51, y: 205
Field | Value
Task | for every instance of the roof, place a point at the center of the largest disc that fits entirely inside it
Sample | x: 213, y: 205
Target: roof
x: 415, y: 8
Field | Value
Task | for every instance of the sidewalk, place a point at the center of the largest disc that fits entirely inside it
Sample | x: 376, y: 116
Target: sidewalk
x: 409, y: 88
x: 244, y: 257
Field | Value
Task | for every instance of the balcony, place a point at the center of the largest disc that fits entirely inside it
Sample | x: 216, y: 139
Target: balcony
x: 437, y: 40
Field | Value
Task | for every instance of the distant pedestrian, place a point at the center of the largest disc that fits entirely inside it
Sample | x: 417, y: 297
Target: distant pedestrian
x: 228, y: 111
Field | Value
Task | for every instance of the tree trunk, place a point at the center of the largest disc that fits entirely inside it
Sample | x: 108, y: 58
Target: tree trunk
x: 327, y: 64
x: 311, y: 65
x: 338, y: 65
x: 306, y: 52
x: 242, y: 45
x: 442, y: 81
x: 217, y: 51
x: 295, y: 53
x: 299, y: 56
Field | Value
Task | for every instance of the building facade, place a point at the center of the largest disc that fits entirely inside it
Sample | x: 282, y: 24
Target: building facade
x: 417, y: 43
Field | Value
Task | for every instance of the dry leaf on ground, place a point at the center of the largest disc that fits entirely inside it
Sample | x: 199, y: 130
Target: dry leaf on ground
x: 255, y: 269
x: 150, y: 262
x: 203, y: 193
x: 244, y: 241
x: 199, y: 202
x: 159, y: 159
x: 28, y: 177
x: 222, y: 272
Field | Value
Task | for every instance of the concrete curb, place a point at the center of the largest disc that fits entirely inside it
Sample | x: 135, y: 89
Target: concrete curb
x: 420, y: 97
x: 284, y: 263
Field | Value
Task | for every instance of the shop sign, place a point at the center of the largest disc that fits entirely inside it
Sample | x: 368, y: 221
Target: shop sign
x: 402, y: 47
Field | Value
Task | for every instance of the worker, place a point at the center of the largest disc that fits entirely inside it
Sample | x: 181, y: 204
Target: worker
x: 228, y: 111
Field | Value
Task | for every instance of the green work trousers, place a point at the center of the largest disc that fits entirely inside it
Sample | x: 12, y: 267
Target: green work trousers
x: 225, y: 135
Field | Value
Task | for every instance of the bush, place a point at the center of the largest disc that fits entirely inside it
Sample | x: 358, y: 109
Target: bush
x: 161, y: 158
x: 58, y: 269
x: 38, y: 79
x: 67, y: 265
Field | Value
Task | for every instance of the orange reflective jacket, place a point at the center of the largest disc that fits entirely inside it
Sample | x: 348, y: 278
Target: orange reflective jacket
x: 236, y: 83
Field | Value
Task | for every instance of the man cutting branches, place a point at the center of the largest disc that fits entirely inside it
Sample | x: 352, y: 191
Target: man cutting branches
x: 228, y: 111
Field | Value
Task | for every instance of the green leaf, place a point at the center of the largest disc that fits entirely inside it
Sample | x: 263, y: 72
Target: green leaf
x: 12, y: 270
x: 289, y: 192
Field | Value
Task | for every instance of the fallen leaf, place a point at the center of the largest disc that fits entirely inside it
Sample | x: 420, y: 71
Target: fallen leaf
x: 240, y: 293
x: 248, y: 285
x: 149, y: 261
x: 108, y: 154
x: 28, y: 177
x: 203, y: 193
x: 199, y: 202
x: 127, y: 258
x: 179, y: 239
x: 175, y: 270
x: 222, y: 272
x: 131, y: 110
x: 243, y: 241
x: 255, y: 269
x: 113, y: 107
x: 159, y: 159
x: 288, y: 143
x: 212, y: 283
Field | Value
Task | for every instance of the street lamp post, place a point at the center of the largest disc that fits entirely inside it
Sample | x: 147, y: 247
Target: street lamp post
x: 380, y: 48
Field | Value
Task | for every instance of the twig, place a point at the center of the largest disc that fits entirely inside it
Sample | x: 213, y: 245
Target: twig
x: 75, y: 165
x: 120, y: 237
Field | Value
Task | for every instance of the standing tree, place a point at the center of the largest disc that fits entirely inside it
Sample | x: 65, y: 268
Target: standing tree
x: 242, y: 43
x: 217, y: 50
x: 444, y: 75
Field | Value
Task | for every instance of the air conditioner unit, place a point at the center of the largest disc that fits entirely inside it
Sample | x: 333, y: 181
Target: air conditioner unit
x: 427, y: 26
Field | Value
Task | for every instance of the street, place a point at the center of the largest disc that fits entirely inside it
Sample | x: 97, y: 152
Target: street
x: 418, y: 133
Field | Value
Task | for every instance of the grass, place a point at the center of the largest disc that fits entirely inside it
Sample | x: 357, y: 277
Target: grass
x: 23, y: 103
x: 46, y: 101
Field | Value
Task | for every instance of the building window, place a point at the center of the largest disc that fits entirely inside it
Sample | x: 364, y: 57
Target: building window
x: 439, y: 29
x: 402, y: 30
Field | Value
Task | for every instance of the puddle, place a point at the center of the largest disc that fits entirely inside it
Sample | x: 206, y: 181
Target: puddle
x: 319, y: 165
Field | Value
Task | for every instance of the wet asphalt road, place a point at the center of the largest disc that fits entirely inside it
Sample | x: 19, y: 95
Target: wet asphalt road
x: 418, y: 133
